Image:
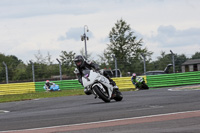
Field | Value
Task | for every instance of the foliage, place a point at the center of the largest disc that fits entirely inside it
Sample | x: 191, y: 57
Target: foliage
x: 11, y: 61
x: 39, y: 58
x: 196, y: 55
x: 162, y: 61
x: 30, y: 96
x: 89, y: 55
x: 67, y: 62
x: 165, y: 59
x: 126, y: 48
x: 20, y: 72
x: 36, y: 95
x: 179, y: 60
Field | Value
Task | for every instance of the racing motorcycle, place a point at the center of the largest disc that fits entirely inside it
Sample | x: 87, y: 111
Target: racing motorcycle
x: 100, y: 86
x: 140, y: 84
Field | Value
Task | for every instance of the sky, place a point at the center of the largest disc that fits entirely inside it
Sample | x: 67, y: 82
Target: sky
x: 28, y: 27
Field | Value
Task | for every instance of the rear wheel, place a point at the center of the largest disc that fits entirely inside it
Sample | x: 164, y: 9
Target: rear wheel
x: 145, y: 86
x: 118, y: 96
x: 103, y: 95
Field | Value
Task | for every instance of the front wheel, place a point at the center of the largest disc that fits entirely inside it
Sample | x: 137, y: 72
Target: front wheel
x: 103, y: 95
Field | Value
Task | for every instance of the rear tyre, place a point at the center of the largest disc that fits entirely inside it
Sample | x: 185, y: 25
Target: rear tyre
x: 145, y: 86
x: 103, y: 95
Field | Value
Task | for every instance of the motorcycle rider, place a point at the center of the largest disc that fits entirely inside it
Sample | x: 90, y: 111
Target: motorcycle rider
x: 82, y: 63
x: 48, y: 84
x: 133, y: 79
x: 136, y: 78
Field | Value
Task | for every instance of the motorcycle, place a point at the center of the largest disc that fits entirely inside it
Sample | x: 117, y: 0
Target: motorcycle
x: 100, y: 86
x: 140, y: 84
x: 53, y: 87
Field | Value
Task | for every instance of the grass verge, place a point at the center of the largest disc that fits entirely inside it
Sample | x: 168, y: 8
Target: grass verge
x: 36, y: 95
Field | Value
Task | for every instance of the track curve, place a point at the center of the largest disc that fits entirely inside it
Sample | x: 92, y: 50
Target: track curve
x: 71, y: 110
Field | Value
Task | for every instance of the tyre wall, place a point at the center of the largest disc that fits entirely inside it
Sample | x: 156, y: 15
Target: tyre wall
x: 175, y: 79
x: 125, y: 82
x: 17, y: 88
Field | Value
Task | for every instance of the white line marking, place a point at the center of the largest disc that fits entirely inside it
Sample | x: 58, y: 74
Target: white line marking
x: 36, y: 99
x: 4, y: 111
x: 132, y: 118
x: 183, y: 89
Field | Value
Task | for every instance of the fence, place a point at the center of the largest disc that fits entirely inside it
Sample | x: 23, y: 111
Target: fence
x: 11, y: 72
x: 34, y: 72
x: 153, y: 81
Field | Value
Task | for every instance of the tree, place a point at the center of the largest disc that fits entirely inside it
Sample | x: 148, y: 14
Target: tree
x: 196, y: 55
x: 106, y: 61
x: 82, y: 51
x: 164, y: 60
x: 67, y: 62
x: 39, y: 58
x: 20, y: 72
x: 48, y: 58
x: 126, y: 48
x: 179, y: 60
x: 12, y: 62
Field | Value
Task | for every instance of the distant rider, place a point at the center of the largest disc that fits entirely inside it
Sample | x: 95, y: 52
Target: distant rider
x: 134, y: 81
x: 81, y: 64
x: 48, y: 84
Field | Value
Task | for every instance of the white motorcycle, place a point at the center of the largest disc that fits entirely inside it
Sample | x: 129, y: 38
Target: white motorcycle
x: 100, y: 86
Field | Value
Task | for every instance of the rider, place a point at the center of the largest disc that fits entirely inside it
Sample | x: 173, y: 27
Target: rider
x: 136, y: 80
x: 48, y: 84
x: 133, y: 79
x: 82, y: 63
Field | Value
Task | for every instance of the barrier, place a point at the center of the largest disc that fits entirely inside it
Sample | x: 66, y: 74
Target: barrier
x: 63, y: 84
x: 174, y: 79
x: 163, y: 80
x: 17, y: 88
x: 125, y: 82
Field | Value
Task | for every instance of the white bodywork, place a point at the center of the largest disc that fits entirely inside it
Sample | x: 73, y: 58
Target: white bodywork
x: 89, y: 81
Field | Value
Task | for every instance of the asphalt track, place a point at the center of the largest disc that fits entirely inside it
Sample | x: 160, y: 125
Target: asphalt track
x: 164, y: 110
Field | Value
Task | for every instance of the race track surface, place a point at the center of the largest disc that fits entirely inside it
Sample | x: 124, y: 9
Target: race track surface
x: 164, y: 110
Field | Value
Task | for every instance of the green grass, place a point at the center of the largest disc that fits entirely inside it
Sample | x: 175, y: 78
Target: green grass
x: 36, y: 95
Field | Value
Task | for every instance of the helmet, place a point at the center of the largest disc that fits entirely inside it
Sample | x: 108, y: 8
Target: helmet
x: 79, y: 60
x: 47, y: 81
x: 134, y: 75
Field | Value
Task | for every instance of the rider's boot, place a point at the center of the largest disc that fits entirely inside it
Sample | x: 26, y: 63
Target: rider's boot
x: 115, y: 87
x: 115, y: 91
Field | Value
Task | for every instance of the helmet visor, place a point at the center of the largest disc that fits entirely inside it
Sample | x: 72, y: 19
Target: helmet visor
x: 78, y: 63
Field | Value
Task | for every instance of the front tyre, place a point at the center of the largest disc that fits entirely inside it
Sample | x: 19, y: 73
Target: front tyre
x: 101, y: 94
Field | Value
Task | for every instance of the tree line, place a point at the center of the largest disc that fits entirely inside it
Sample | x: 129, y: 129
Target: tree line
x: 123, y: 44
